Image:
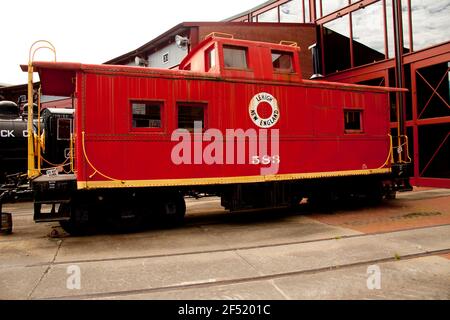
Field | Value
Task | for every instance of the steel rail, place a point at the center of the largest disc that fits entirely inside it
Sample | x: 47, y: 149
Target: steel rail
x: 228, y: 249
x: 273, y: 276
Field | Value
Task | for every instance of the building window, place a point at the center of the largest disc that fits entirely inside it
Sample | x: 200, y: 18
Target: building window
x: 325, y: 7
x: 235, y: 57
x: 269, y: 16
x: 368, y: 34
x: 146, y: 114
x: 165, y: 57
x: 336, y: 38
x: 282, y: 61
x: 430, y: 23
x: 353, y: 121
x: 64, y: 129
x: 190, y: 115
x: 291, y: 12
x: 210, y: 58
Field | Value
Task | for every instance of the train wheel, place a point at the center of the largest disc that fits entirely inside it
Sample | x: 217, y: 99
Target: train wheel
x: 322, y: 201
x: 295, y: 202
x: 375, y: 194
x: 79, y: 222
x: 172, y: 210
x: 391, y: 195
x: 126, y: 219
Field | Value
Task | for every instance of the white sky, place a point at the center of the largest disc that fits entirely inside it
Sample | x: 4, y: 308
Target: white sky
x: 94, y: 31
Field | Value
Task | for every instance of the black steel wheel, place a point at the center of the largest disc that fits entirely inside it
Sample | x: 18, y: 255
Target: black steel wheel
x: 375, y: 194
x: 79, y: 222
x: 172, y: 209
x: 125, y: 219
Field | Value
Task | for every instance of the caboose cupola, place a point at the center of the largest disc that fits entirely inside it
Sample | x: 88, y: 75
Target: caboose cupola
x: 224, y: 56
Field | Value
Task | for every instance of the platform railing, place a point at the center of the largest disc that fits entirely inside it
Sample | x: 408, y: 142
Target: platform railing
x: 400, y: 150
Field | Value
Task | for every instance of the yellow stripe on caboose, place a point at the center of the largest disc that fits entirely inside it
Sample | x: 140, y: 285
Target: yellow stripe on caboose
x: 225, y: 180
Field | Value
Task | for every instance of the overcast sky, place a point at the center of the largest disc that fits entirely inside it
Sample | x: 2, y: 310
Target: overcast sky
x: 94, y: 31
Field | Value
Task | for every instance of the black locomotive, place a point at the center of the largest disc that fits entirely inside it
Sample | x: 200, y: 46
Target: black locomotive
x: 13, y: 140
x: 55, y: 128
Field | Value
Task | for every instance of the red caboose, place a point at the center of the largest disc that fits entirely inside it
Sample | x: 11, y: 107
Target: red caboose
x: 236, y: 120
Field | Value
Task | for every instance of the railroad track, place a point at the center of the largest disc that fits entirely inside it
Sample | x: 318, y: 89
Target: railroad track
x: 227, y: 249
x: 257, y: 277
x: 216, y: 216
x: 274, y: 276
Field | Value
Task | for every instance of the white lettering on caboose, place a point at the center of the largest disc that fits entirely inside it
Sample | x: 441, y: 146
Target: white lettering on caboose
x: 255, y: 102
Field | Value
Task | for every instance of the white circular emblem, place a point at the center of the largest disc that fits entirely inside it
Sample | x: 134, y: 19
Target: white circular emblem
x: 253, y: 110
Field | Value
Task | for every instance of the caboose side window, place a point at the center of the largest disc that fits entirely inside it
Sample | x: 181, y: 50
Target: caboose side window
x: 188, y: 114
x: 210, y: 58
x: 282, y: 61
x: 353, y: 121
x: 235, y: 57
x: 146, y: 114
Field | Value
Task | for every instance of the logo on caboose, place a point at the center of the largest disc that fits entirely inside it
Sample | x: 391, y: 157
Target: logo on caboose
x: 257, y: 117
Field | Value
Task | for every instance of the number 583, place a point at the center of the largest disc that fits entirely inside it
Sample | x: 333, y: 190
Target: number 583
x: 266, y: 159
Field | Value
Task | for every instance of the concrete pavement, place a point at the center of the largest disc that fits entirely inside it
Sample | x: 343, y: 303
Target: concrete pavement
x: 257, y: 255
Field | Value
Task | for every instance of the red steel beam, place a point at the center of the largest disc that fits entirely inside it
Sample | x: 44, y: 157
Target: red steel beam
x: 312, y: 10
x: 386, y: 45
x: 431, y: 182
x: 350, y: 21
x: 437, y: 120
x: 380, y: 66
x: 426, y: 54
x: 411, y: 48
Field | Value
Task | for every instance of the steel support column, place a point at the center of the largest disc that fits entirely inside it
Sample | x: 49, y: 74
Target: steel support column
x: 399, y: 70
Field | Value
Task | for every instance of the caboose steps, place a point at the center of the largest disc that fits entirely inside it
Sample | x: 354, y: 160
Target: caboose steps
x: 49, y: 193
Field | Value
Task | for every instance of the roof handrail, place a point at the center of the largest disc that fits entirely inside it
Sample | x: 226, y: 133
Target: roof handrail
x: 288, y: 43
x: 220, y: 35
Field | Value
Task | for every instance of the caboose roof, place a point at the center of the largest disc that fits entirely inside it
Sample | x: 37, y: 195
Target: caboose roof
x: 57, y: 78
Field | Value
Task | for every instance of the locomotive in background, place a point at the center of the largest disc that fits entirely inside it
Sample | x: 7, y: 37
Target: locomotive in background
x: 14, y: 135
x: 13, y: 140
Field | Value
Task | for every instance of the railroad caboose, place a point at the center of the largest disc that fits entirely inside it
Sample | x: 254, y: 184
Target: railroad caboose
x: 235, y: 120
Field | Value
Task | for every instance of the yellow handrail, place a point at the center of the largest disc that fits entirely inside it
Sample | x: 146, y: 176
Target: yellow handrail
x: 54, y: 165
x: 72, y: 138
x: 406, y: 143
x: 39, y: 129
x: 389, y: 154
x: 90, y: 163
x: 391, y: 149
x: 32, y: 170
